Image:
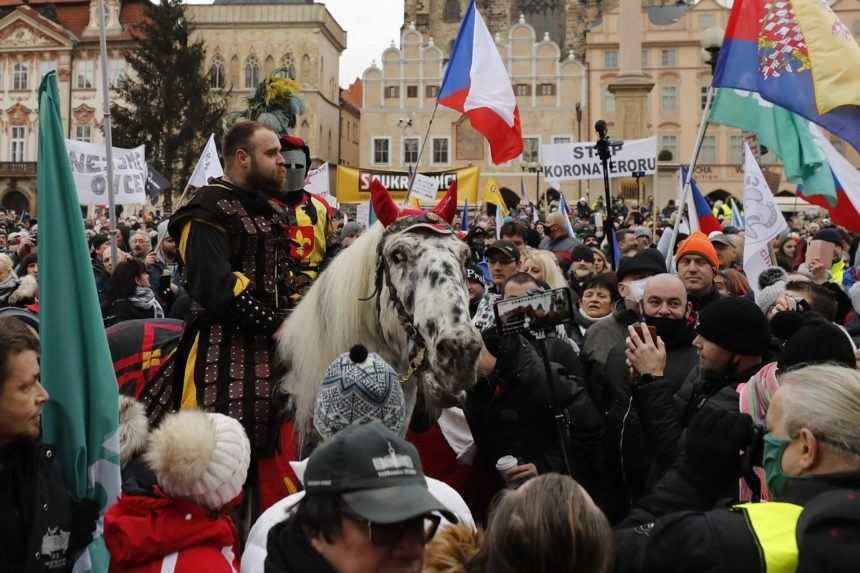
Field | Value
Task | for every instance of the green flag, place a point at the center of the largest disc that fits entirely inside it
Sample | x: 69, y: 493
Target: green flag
x: 782, y: 131
x: 80, y: 420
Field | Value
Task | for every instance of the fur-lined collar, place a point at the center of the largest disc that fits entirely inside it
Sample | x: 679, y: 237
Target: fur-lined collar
x: 133, y: 428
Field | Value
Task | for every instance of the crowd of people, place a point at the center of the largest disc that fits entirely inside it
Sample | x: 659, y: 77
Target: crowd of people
x: 681, y: 417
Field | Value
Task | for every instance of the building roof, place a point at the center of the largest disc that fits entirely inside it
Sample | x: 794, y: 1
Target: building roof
x: 73, y: 16
x: 354, y: 94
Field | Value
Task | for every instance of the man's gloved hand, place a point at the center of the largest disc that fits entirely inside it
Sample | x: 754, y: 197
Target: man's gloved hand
x: 85, y: 514
x: 715, y: 439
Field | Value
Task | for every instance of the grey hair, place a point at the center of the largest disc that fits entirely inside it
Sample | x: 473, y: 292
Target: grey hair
x: 824, y: 398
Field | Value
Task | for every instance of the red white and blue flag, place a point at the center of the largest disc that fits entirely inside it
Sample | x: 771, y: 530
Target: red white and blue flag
x: 699, y: 213
x: 846, y: 213
x: 476, y: 83
x: 798, y: 55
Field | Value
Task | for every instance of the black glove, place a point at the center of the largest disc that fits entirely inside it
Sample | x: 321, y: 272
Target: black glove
x: 715, y: 440
x: 253, y: 315
x: 85, y: 514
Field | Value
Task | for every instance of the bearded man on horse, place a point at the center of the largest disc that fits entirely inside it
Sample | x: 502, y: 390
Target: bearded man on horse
x: 237, y: 239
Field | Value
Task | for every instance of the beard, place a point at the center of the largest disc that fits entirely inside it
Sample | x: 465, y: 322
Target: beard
x: 582, y: 273
x: 270, y: 183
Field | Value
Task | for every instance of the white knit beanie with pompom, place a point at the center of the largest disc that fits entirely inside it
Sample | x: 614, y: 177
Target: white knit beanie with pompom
x: 200, y: 456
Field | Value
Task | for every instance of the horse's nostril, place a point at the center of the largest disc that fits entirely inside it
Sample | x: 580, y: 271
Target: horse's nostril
x: 459, y: 352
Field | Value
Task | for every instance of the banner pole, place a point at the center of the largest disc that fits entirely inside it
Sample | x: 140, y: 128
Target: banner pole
x: 107, y: 131
x: 420, y: 153
x: 703, y: 126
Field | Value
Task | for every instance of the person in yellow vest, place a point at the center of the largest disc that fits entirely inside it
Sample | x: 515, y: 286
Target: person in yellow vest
x: 811, y: 447
x: 722, y: 211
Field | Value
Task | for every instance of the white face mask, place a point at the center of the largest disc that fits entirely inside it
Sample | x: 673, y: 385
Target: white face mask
x: 296, y: 166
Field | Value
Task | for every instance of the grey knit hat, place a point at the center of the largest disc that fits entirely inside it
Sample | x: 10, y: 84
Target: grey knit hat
x: 359, y: 386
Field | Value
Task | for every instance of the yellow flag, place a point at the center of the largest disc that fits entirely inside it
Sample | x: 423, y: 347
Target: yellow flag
x: 494, y: 196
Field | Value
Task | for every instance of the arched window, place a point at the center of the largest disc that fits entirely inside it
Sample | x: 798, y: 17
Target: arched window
x: 452, y: 10
x: 20, y: 77
x: 252, y: 73
x: 217, y: 77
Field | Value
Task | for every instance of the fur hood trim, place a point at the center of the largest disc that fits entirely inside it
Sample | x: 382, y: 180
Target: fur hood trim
x: 133, y: 428
x: 26, y: 290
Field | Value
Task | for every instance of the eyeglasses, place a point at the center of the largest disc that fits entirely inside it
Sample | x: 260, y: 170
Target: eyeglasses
x: 390, y: 534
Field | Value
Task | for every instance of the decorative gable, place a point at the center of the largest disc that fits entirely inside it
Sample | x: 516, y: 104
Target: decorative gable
x: 25, y: 30
x: 18, y: 114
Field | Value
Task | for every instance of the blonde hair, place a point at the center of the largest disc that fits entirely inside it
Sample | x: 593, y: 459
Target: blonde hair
x: 602, y: 255
x: 547, y: 261
x: 825, y: 399
x: 5, y: 264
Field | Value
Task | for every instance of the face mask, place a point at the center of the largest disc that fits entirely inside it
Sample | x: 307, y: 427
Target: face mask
x: 667, y: 328
x: 772, y: 463
x: 547, y: 231
x: 296, y: 167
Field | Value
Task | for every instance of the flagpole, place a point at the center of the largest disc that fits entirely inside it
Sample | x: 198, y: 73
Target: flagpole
x: 703, y: 126
x: 420, y: 153
x: 107, y: 131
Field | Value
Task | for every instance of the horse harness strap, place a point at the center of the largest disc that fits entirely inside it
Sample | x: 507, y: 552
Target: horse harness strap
x: 418, y: 355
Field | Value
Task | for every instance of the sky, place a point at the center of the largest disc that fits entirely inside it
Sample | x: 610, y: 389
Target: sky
x: 371, y: 26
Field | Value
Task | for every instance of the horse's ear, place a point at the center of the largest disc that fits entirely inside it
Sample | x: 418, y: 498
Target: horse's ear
x: 447, y: 207
x: 383, y: 205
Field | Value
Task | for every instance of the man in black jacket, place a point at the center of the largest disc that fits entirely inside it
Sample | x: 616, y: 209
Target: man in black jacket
x: 42, y: 528
x: 732, y: 341
x: 510, y: 409
x: 811, y: 448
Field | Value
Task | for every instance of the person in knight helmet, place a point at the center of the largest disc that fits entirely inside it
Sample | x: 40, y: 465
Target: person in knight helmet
x: 308, y: 215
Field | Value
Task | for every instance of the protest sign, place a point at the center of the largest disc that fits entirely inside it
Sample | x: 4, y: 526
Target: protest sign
x: 424, y: 187
x: 353, y: 185
x: 579, y: 160
x: 89, y: 169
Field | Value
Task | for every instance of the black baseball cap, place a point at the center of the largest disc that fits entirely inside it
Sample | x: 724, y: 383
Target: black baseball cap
x: 583, y: 253
x: 377, y: 473
x: 505, y: 247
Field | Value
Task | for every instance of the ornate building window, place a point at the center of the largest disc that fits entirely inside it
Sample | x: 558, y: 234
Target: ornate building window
x: 84, y: 133
x: 85, y: 74
x: 116, y: 72
x: 708, y: 152
x: 669, y: 145
x: 216, y: 74
x: 16, y: 143
x: 20, y: 77
x: 380, y: 150
x: 440, y: 150
x: 669, y: 99
x: 452, y: 10
x: 546, y: 89
x: 252, y: 73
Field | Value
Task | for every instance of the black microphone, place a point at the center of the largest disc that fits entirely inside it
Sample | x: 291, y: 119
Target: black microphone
x: 601, y: 128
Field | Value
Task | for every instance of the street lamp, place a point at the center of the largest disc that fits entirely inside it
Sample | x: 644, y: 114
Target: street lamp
x: 712, y: 40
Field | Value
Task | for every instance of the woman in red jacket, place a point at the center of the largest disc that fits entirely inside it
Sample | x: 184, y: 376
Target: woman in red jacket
x: 200, y: 462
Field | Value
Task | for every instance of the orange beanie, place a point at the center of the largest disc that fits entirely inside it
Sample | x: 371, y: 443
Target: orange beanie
x: 698, y: 244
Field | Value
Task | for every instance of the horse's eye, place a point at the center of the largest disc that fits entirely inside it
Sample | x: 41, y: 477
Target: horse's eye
x: 398, y: 257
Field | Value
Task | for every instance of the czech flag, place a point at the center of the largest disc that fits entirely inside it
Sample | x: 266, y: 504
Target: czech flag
x: 846, y: 213
x: 798, y: 55
x: 476, y: 83
x: 698, y: 211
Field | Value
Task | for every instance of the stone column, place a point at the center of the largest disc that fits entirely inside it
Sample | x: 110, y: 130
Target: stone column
x: 631, y: 86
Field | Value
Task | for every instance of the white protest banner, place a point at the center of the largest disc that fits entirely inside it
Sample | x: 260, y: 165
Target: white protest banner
x: 763, y: 220
x: 579, y: 160
x: 362, y: 213
x: 317, y: 180
x: 208, y: 165
x: 89, y: 168
x: 424, y: 187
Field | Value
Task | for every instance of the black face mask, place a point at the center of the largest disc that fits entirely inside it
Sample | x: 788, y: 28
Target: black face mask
x: 547, y: 231
x: 669, y: 329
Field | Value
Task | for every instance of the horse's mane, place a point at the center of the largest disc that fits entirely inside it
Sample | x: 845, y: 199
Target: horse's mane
x: 331, y: 319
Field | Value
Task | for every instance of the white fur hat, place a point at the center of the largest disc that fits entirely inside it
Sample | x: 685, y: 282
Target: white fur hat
x: 200, y: 456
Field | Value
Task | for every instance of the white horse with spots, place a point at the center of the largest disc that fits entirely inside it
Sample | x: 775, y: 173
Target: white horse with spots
x: 399, y: 290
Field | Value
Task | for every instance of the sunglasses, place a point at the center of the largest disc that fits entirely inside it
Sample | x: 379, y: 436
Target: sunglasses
x: 390, y: 534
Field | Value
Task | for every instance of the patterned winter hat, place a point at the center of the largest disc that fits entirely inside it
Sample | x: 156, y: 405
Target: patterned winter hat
x: 359, y: 387
x: 200, y: 456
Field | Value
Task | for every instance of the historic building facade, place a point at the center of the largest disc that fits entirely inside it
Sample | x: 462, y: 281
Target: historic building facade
x: 38, y: 36
x: 566, y: 21
x: 246, y: 39
x: 400, y: 95
x: 673, y: 58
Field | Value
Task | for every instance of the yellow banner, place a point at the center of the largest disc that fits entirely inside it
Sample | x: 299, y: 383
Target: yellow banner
x: 353, y: 185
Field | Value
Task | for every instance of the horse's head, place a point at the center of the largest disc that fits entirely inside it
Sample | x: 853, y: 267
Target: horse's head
x: 421, y: 280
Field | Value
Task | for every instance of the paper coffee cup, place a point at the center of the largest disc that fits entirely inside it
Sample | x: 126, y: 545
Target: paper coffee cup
x: 505, y: 463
